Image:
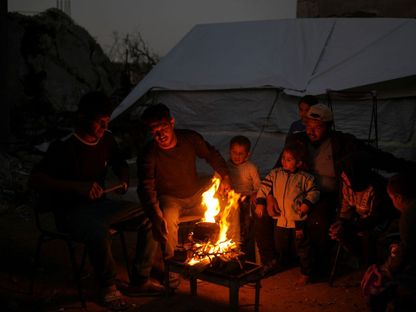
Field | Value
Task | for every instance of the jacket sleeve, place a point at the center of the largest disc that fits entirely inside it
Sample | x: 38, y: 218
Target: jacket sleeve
x: 390, y: 163
x: 266, y: 187
x: 345, y: 210
x: 379, y: 159
x: 312, y: 192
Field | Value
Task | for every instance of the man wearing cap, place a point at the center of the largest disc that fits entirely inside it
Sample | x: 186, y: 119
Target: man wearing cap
x: 325, y: 148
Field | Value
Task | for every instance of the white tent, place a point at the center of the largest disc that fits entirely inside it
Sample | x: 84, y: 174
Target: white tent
x: 245, y: 78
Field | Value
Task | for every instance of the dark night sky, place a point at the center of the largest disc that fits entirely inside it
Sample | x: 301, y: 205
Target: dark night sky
x: 161, y: 22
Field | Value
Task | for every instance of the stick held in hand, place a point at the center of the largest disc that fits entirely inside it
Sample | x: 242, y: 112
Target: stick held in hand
x: 114, y: 188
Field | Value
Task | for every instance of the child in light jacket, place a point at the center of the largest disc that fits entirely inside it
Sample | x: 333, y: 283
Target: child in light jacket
x: 295, y: 192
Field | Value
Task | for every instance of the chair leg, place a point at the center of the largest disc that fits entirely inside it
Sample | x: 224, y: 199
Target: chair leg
x: 76, y: 273
x: 125, y: 254
x: 83, y: 261
x: 35, y: 264
x: 335, y: 264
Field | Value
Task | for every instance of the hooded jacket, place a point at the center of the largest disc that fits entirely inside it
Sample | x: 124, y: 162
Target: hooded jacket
x: 291, y: 190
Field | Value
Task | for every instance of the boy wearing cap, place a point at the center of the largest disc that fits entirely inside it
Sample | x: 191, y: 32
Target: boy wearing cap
x: 325, y: 148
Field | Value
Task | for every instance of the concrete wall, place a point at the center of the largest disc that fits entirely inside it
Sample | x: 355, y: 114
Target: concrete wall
x: 356, y: 8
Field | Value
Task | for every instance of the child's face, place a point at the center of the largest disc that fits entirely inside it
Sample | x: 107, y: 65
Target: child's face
x: 303, y: 109
x: 289, y: 162
x: 238, y: 154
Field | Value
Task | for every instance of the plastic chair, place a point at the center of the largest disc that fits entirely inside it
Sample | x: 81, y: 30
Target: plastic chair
x: 49, y: 232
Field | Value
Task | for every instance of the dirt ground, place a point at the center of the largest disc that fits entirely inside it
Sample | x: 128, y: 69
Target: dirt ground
x: 55, y: 289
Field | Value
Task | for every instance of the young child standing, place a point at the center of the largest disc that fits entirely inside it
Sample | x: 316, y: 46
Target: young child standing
x: 295, y: 192
x: 245, y: 180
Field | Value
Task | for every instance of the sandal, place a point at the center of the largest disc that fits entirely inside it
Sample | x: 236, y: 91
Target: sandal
x: 113, y: 300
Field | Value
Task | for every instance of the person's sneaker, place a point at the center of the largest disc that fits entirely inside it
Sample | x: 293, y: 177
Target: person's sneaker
x: 148, y: 288
x: 112, y: 299
x: 303, y: 280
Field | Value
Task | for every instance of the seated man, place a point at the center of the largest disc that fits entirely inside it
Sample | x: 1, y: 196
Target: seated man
x: 70, y: 179
x: 169, y: 185
x: 365, y: 209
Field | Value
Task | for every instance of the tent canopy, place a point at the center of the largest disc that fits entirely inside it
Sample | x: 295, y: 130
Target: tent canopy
x: 298, y: 56
x: 246, y: 78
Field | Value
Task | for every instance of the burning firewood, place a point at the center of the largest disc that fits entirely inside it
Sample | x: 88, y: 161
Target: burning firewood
x: 209, y: 244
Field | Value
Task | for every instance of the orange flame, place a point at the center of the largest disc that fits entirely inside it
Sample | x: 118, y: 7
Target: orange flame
x: 211, y: 202
x: 214, y: 206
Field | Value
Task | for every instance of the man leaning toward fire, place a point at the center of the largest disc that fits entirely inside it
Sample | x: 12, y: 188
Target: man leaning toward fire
x: 325, y: 148
x: 169, y: 185
x: 70, y: 180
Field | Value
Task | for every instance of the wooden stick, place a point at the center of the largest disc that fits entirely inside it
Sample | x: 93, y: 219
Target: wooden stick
x: 114, y: 188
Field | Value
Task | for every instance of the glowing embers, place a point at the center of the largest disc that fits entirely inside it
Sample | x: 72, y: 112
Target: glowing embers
x: 213, y: 239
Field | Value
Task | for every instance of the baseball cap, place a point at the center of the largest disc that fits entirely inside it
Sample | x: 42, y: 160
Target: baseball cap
x: 320, y: 112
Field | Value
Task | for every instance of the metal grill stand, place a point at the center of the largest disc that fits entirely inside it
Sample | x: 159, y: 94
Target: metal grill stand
x: 251, y: 273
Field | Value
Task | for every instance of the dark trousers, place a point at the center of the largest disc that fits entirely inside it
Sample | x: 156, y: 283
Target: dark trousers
x: 90, y: 224
x: 264, y: 235
x: 320, y: 218
x: 288, y: 245
x: 247, y: 229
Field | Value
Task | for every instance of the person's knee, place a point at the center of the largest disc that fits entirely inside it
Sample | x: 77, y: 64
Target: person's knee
x: 171, y: 215
x: 170, y: 208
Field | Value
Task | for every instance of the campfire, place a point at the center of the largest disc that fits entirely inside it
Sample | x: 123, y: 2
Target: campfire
x: 212, y: 240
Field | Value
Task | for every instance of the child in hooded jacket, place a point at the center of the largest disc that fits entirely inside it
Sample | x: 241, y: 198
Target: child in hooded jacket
x: 295, y: 192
